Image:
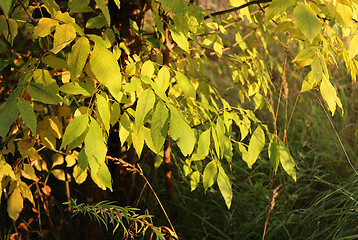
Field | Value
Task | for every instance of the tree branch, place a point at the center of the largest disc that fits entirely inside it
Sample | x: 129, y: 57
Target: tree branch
x: 236, y: 8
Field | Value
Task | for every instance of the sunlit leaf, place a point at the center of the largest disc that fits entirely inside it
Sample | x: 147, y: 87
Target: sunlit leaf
x: 277, y: 7
x: 6, y: 5
x: 225, y: 187
x: 28, y: 114
x: 181, y: 132
x: 145, y: 104
x: 9, y: 113
x: 257, y: 143
x: 159, y: 126
x: 103, y: 109
x: 26, y: 192
x: 286, y: 160
x: 194, y: 180
x: 185, y: 85
x: 15, y: 204
x: 77, y: 58
x: 307, y: 21
x: 75, y: 129
x: 163, y: 78
x: 124, y: 128
x: 44, y: 27
x: 44, y: 93
x: 147, y: 69
x: 76, y: 88
x: 106, y: 69
x: 102, y: 6
x: 274, y: 152
x: 203, y: 146
x: 210, y: 174
x: 64, y: 35
x: 353, y: 47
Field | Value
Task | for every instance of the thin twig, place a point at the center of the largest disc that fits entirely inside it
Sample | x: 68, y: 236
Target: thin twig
x: 159, y: 202
x: 236, y: 8
x: 27, y: 12
x: 334, y: 129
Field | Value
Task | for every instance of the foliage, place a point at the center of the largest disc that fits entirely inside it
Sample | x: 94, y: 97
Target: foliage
x: 126, y: 218
x: 74, y: 80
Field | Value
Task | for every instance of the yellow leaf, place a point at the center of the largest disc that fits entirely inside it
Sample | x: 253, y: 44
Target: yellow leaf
x: 15, y: 204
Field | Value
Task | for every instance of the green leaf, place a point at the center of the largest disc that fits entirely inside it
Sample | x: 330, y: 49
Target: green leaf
x: 65, y: 18
x: 181, y: 132
x: 95, y: 147
x: 317, y: 71
x: 194, y: 180
x: 240, y: 41
x: 124, y: 128
x: 82, y: 162
x: 308, y: 83
x: 28, y: 114
x: 144, y: 105
x: 159, y: 126
x: 329, y: 94
x: 6, y: 5
x: 51, y: 6
x: 103, y: 109
x: 64, y: 35
x: 133, y: 85
x: 75, y: 129
x: 43, y: 76
x: 244, y: 124
x: 28, y: 172
x: 203, y: 146
x: 9, y: 113
x: 44, y: 27
x: 8, y: 28
x: 44, y: 93
x: 305, y: 56
x: 277, y: 7
x: 54, y: 62
x: 274, y: 152
x: 218, y: 46
x: 180, y: 39
x: 138, y: 139
x: 220, y: 131
x: 6, y: 169
x: 228, y: 153
x: 225, y: 186
x: 104, y: 176
x: 106, y: 69
x: 102, y: 6
x: 257, y: 143
x: 15, y: 204
x: 96, y: 22
x: 353, y: 47
x: 118, y: 3
x: 26, y: 192
x: 115, y: 112
x: 77, y: 58
x: 163, y: 79
x: 210, y: 174
x: 160, y: 93
x: 79, y: 6
x: 286, y: 160
x: 185, y: 85
x: 307, y: 21
x: 215, y: 137
x: 147, y: 69
x: 344, y: 10
x: 76, y: 88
